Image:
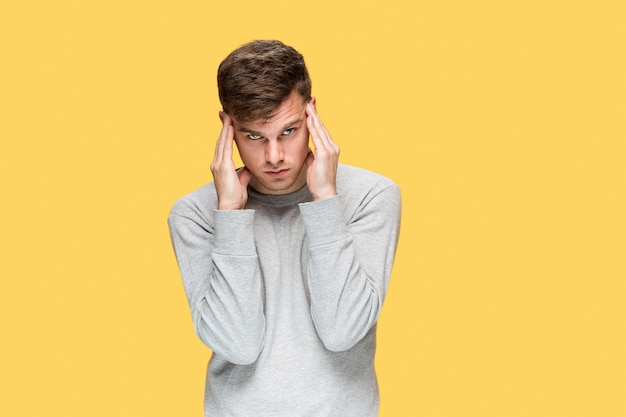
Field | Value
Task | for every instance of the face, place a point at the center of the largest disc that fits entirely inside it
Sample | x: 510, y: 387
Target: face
x: 275, y: 150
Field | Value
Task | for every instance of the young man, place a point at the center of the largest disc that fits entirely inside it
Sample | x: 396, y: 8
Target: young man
x: 285, y: 261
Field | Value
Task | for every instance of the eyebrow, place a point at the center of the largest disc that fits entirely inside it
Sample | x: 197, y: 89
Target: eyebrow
x: 244, y: 129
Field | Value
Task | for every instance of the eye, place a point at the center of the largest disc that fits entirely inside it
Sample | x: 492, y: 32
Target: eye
x: 254, y: 137
x: 289, y: 131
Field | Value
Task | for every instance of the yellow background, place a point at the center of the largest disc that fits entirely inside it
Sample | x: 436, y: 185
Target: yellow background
x: 502, y: 121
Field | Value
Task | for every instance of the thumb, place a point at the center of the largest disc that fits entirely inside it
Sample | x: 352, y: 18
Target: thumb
x: 310, y: 158
x: 244, y: 176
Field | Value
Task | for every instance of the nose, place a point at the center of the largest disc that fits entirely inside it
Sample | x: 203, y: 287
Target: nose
x: 274, y: 152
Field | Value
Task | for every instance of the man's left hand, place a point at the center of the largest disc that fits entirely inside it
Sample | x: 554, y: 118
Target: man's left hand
x: 321, y: 163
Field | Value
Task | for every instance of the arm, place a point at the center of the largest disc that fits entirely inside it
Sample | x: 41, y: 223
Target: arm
x: 218, y: 262
x: 350, y: 264
x: 350, y: 259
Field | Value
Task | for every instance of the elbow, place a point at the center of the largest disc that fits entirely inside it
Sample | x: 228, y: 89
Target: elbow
x: 341, y: 333
x: 337, y: 340
x: 240, y: 348
x: 335, y: 345
x: 247, y: 355
x: 242, y: 352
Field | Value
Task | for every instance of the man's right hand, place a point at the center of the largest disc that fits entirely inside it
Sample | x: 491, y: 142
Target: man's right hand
x: 231, y: 184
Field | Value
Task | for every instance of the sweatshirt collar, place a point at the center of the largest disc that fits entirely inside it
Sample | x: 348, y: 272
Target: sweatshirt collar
x: 299, y: 196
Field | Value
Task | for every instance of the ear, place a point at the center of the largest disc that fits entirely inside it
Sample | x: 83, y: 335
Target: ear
x: 221, y: 113
x: 314, y: 102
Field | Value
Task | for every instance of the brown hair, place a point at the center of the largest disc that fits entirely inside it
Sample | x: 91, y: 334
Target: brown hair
x: 255, y: 78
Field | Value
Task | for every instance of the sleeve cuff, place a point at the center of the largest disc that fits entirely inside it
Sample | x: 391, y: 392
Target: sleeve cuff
x: 234, y: 232
x: 324, y: 220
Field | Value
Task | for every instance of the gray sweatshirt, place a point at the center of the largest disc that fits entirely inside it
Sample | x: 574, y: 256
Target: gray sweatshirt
x: 287, y: 292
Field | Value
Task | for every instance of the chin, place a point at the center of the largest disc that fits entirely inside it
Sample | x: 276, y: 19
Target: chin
x: 279, y: 187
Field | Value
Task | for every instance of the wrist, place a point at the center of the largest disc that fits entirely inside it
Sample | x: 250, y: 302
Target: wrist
x: 325, y: 196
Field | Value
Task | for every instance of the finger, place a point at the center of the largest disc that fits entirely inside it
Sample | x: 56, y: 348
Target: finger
x: 319, y: 134
x: 313, y: 131
x: 218, y: 143
x: 223, y: 139
x: 315, y: 127
x: 325, y: 135
x: 312, y: 111
x: 228, y: 140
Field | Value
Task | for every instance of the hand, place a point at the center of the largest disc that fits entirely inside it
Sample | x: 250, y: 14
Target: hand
x: 321, y: 176
x: 231, y: 184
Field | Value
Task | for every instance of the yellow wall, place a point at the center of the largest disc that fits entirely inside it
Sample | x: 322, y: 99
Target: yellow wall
x: 503, y: 122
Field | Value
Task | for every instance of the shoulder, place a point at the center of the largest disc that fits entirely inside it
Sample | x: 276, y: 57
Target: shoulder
x: 351, y: 179
x: 359, y: 187
x: 198, y: 203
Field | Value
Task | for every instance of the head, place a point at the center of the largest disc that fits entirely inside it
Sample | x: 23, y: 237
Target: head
x: 264, y: 87
x: 257, y: 77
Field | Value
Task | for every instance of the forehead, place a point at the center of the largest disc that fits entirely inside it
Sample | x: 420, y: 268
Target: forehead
x: 292, y: 109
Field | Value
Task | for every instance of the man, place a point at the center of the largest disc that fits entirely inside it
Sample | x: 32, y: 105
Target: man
x: 285, y: 261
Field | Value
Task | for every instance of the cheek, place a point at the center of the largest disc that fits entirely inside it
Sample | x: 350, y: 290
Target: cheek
x: 302, y: 145
x: 298, y: 150
x: 245, y: 153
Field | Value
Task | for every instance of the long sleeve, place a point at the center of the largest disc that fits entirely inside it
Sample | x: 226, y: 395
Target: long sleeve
x: 351, y: 257
x: 219, y: 265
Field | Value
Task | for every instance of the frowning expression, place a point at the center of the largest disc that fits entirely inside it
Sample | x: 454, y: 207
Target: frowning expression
x: 275, y: 150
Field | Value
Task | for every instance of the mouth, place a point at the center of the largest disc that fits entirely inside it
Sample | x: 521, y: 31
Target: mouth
x: 278, y: 173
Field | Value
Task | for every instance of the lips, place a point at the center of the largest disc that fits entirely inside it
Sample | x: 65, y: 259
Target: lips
x: 277, y: 173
